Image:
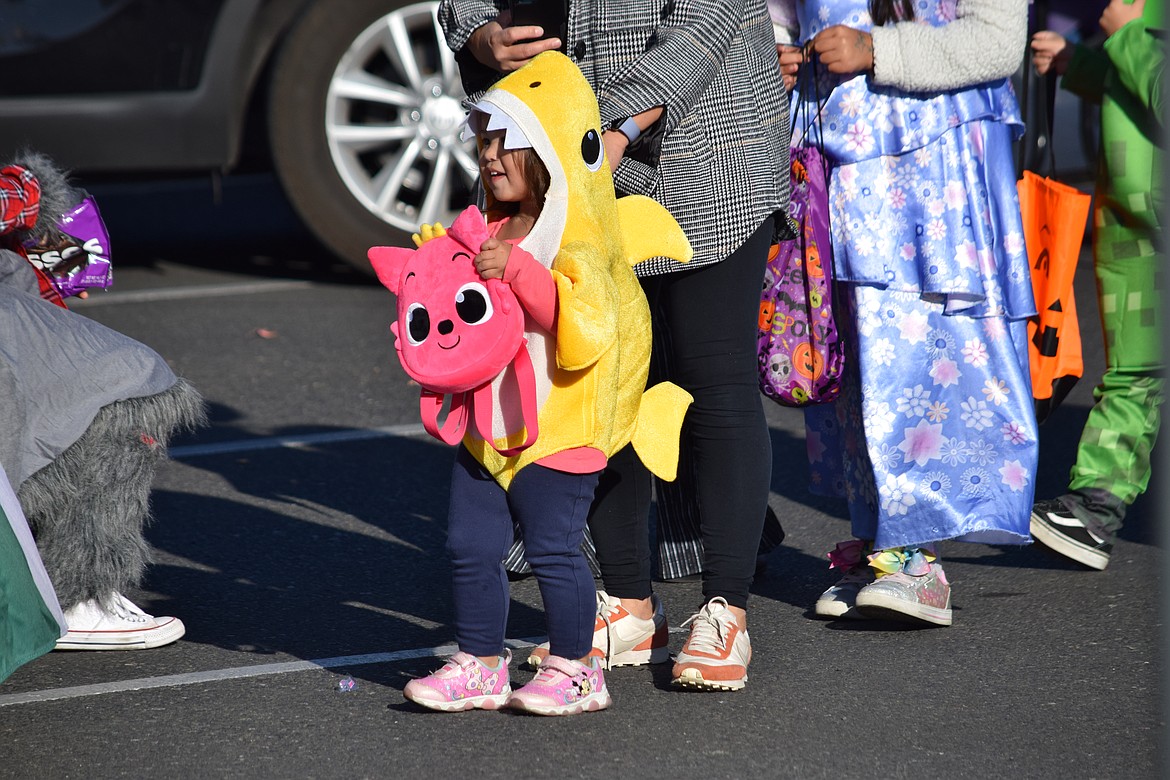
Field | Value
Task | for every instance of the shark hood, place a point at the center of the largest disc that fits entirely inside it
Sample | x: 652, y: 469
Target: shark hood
x: 549, y: 106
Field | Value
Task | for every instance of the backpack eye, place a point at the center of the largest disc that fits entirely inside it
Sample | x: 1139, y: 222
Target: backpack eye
x: 418, y: 323
x: 473, y: 304
x: 592, y: 150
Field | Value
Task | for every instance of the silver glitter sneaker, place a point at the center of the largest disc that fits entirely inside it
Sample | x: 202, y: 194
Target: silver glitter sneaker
x: 918, y: 591
x: 839, y: 601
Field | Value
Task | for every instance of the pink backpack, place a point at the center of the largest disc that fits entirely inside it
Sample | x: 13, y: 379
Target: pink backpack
x: 456, y: 332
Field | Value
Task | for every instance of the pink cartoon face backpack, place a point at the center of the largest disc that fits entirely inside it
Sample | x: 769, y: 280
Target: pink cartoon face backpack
x: 455, y: 331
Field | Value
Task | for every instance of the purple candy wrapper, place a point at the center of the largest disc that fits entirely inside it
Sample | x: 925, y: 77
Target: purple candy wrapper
x: 82, y: 259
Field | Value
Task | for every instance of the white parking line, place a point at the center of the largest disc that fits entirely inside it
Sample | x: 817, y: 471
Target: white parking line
x: 184, y: 293
x: 239, y: 672
x: 258, y: 670
x: 235, y: 673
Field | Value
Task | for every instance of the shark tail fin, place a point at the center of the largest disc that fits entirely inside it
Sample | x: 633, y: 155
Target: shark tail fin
x: 648, y: 230
x: 657, y: 429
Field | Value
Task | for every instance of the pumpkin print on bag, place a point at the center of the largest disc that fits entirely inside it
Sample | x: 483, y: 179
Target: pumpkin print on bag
x: 800, y: 353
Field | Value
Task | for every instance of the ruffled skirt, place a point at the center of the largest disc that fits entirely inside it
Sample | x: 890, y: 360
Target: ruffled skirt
x: 934, y: 436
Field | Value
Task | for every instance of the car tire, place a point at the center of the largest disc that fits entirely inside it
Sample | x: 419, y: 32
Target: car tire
x: 364, y: 119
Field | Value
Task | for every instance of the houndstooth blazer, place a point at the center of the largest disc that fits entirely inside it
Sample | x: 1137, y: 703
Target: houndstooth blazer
x: 718, y: 159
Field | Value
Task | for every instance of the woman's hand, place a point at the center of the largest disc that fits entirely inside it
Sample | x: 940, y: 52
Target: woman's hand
x: 791, y: 58
x: 505, y: 49
x: 492, y: 258
x: 615, y: 147
x: 1050, y: 51
x: 1120, y: 13
x: 844, y: 50
x: 616, y: 142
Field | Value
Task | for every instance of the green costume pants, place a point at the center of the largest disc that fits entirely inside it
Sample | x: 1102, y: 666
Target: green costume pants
x: 1114, y: 450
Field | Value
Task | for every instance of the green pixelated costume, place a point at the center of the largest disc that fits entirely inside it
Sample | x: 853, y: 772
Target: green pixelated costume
x: 1113, y: 458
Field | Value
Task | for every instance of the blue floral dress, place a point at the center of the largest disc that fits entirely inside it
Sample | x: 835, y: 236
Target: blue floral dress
x: 934, y: 436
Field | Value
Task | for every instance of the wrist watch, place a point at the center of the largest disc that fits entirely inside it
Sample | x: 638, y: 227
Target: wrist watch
x: 627, y: 127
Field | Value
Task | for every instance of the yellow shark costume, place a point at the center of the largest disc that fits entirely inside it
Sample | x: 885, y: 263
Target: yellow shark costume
x: 590, y: 379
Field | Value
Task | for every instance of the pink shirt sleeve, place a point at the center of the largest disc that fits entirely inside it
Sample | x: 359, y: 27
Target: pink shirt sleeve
x: 534, y: 287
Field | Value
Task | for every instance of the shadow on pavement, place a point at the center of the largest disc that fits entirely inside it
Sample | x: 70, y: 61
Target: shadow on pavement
x: 326, y: 551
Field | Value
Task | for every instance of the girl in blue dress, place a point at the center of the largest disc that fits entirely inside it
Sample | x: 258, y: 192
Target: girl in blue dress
x: 934, y: 436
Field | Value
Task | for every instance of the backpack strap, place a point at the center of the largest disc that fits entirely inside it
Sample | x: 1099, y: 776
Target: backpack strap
x: 482, y: 404
x: 431, y: 403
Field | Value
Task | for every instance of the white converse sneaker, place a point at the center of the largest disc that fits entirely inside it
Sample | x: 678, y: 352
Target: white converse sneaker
x: 122, y: 627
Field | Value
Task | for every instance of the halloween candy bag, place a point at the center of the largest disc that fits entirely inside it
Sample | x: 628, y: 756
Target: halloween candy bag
x: 801, y: 355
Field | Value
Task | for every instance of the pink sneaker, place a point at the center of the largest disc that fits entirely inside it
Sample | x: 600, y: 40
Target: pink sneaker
x: 563, y: 687
x: 463, y: 683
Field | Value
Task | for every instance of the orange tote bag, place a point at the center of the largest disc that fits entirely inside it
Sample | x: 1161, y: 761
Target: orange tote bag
x: 1054, y: 217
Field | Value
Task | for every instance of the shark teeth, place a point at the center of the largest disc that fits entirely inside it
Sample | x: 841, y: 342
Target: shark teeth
x: 514, y: 137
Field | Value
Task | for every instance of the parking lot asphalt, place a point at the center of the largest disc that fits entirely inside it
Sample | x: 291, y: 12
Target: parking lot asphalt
x: 300, y: 538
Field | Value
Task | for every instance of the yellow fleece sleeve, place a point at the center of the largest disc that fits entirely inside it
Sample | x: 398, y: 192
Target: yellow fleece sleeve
x: 587, y: 306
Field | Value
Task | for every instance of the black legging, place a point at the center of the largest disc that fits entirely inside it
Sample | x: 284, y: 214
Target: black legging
x: 705, y: 342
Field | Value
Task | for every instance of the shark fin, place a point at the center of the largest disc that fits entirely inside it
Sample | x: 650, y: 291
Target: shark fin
x: 657, y: 429
x: 648, y: 231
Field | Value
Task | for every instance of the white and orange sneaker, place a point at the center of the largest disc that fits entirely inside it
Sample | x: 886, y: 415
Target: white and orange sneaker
x: 716, y: 654
x: 620, y: 639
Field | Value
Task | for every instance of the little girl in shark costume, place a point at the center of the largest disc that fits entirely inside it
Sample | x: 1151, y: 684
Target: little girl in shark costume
x: 557, y: 235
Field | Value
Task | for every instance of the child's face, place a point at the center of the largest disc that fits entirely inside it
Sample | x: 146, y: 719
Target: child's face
x: 502, y: 169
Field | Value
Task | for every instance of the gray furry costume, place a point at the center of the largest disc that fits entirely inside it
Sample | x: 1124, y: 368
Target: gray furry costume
x: 85, y: 417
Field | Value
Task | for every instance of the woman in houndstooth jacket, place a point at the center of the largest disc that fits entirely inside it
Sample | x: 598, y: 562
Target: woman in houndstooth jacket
x: 694, y: 116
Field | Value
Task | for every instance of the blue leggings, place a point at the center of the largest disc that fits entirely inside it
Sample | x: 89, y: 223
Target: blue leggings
x: 551, y: 508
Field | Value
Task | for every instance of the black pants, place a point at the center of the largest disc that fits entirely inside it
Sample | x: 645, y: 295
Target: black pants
x: 705, y: 342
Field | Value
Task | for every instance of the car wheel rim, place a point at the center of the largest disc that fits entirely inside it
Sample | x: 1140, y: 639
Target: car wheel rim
x: 392, y: 121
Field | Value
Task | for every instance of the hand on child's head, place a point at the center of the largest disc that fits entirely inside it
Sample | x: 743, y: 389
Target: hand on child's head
x: 492, y: 258
x: 504, y: 48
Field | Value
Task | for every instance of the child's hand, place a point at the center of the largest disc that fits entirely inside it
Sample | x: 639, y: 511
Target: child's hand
x: 844, y: 50
x: 1120, y: 13
x: 791, y: 58
x: 1050, y: 51
x: 492, y: 258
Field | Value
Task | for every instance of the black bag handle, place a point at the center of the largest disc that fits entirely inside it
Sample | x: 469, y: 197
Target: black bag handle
x: 1045, y: 107
x: 1041, y: 107
x: 809, y: 74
